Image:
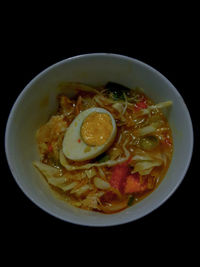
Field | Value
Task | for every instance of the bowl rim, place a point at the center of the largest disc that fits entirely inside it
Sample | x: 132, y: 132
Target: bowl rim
x: 90, y: 55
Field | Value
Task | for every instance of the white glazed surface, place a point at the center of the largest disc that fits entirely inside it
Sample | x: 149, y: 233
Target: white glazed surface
x: 30, y: 111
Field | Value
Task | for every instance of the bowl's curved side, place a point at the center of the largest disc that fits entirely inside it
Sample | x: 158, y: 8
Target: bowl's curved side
x: 28, y: 113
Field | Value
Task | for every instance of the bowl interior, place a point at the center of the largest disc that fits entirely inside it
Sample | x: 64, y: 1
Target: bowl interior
x: 38, y: 101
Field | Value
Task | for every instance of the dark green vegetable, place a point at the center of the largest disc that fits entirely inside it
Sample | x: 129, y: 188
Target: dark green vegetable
x: 131, y: 200
x: 102, y: 158
x: 117, y: 91
x: 149, y: 142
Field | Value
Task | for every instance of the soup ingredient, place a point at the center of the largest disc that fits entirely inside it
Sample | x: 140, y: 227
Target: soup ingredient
x: 119, y: 174
x: 118, y: 106
x: 131, y: 200
x: 81, y: 190
x: 125, y: 182
x: 145, y: 167
x: 157, y: 106
x: 53, y: 175
x: 83, y: 139
x: 115, y: 153
x: 149, y: 142
x: 50, y: 136
x: 69, y: 186
x: 47, y: 170
x: 92, y: 201
x: 102, y: 158
x: 96, y: 129
x: 101, y: 184
x: 147, y: 129
x: 142, y: 104
x: 91, y: 172
x: 117, y: 91
x: 133, y: 184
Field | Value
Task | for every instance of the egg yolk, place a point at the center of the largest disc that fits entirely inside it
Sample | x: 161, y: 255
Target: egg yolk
x: 96, y: 129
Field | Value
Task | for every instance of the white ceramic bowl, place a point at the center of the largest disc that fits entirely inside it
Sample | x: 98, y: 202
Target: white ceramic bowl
x: 38, y: 101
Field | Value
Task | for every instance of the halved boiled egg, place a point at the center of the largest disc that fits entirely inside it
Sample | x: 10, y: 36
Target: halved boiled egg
x: 91, y: 133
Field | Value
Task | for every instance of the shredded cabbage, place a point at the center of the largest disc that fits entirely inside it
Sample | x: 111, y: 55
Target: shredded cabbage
x: 91, y: 172
x: 69, y: 186
x: 145, y: 167
x: 101, y: 172
x: 46, y: 170
x: 118, y: 106
x: 56, y: 181
x: 148, y: 156
x: 92, y: 200
x: 101, y: 184
x: 159, y: 105
x: 52, y: 175
x: 80, y: 190
x: 140, y: 157
x: 147, y: 129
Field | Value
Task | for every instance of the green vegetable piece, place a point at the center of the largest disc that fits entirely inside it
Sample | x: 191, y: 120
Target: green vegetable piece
x: 117, y: 90
x: 131, y: 200
x: 149, y: 142
x: 103, y: 158
x: 117, y: 95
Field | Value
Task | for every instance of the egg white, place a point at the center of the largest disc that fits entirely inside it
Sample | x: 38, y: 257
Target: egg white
x: 80, y: 151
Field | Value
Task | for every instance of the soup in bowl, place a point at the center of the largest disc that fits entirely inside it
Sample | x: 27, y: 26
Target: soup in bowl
x: 97, y: 139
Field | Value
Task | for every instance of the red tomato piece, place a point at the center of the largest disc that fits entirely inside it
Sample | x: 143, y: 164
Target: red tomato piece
x: 133, y: 184
x: 141, y: 105
x: 119, y: 174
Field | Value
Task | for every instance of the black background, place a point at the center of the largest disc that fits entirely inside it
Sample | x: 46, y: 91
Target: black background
x: 175, y: 222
